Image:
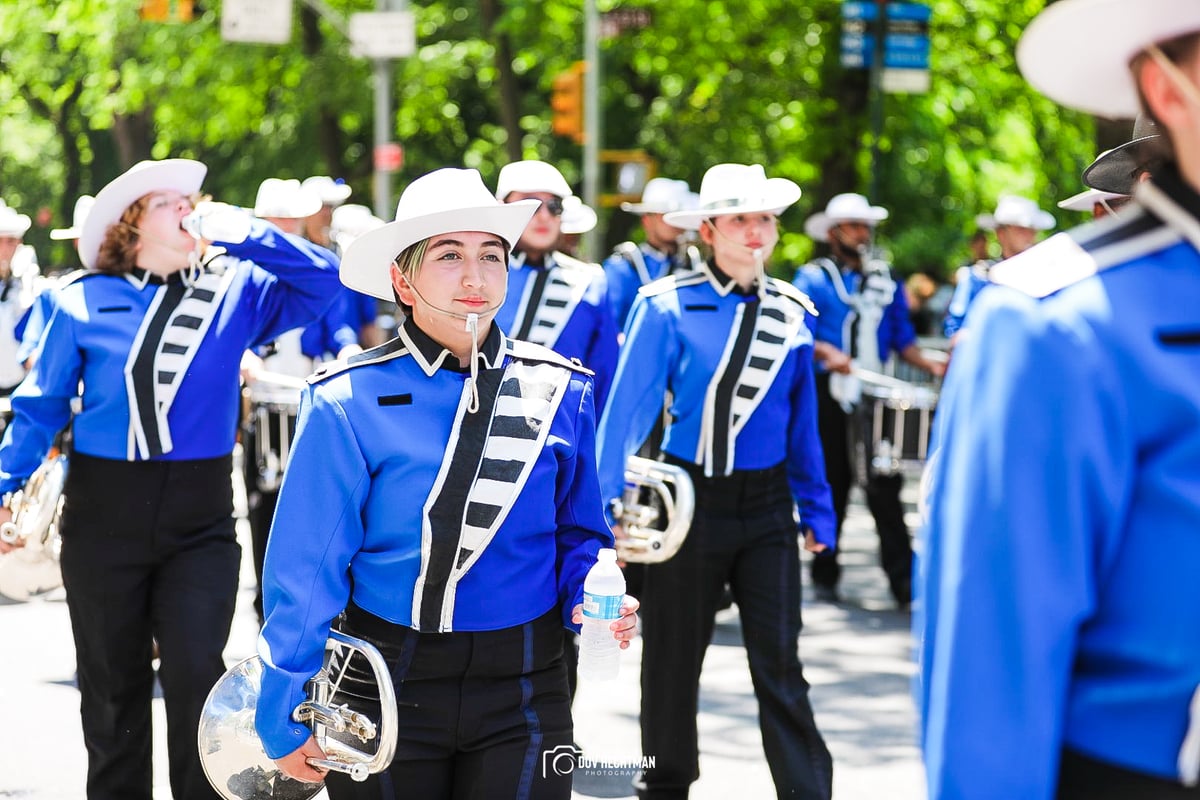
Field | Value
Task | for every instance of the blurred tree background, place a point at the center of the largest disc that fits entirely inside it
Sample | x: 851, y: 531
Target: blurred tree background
x: 87, y: 88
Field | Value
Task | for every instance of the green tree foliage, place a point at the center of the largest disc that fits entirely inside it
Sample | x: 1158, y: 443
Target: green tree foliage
x: 87, y: 88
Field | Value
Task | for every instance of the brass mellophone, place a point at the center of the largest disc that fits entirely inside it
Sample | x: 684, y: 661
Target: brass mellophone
x: 655, y: 511
x: 34, y: 566
x: 232, y: 754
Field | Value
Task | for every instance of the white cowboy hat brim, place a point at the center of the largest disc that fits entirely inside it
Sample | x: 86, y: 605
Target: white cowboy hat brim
x: 175, y: 174
x: 15, y: 225
x: 1086, y: 200
x: 817, y: 226
x: 778, y: 194
x: 1041, y: 221
x: 366, y: 265
x: 59, y: 234
x: 1111, y: 32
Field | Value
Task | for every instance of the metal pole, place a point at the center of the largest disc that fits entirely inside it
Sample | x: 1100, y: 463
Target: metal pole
x: 877, y: 66
x: 383, y: 128
x: 591, y: 120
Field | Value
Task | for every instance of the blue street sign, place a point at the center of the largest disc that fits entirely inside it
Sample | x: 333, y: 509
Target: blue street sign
x: 906, y: 40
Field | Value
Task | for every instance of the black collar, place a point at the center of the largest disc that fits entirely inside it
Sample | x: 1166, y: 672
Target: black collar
x: 432, y: 356
x: 140, y: 277
x: 1177, y: 189
x: 726, y: 285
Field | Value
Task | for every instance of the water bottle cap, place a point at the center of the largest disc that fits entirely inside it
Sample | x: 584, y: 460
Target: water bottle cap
x: 607, y: 554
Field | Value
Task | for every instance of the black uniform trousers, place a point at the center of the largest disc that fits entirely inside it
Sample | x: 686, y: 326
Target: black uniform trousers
x: 482, y: 715
x: 744, y: 534
x: 1084, y: 778
x: 883, y: 500
x: 148, y: 553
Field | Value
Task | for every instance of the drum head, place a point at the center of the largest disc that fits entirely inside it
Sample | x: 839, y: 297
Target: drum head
x: 230, y: 750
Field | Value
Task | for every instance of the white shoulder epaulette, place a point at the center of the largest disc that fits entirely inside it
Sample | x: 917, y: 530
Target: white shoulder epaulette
x: 384, y: 352
x: 1067, y: 258
x: 569, y: 262
x: 785, y: 289
x: 528, y: 351
x: 669, y: 283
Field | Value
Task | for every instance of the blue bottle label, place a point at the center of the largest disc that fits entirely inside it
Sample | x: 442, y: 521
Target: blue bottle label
x: 602, y: 606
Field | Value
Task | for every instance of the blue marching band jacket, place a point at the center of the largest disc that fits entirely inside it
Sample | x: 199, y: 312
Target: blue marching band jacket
x: 383, y: 450
x: 739, y: 370
x: 633, y: 266
x: 1060, y: 602
x: 158, y: 359
x: 563, y: 305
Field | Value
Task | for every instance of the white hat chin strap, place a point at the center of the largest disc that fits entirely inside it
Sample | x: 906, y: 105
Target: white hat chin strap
x: 1175, y: 74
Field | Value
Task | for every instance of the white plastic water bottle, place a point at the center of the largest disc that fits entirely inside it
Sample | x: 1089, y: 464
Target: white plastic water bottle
x: 217, y: 222
x: 603, y: 592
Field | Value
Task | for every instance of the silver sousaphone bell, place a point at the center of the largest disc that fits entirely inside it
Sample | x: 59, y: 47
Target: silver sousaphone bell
x: 232, y: 754
x: 656, y: 511
x: 34, y: 567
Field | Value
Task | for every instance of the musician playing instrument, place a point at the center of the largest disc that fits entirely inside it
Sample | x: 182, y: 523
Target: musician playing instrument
x: 733, y: 347
x: 154, y: 333
x: 442, y: 493
x: 863, y: 317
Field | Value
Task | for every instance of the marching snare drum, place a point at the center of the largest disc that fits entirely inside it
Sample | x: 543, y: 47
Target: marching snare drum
x: 274, y: 406
x: 894, y: 422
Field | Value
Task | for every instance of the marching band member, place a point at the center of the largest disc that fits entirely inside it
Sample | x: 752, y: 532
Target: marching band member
x: 555, y: 300
x: 450, y: 421
x: 631, y: 266
x: 1060, y: 654
x: 154, y: 334
x: 863, y: 317
x: 14, y: 300
x: 733, y: 347
x: 1017, y: 222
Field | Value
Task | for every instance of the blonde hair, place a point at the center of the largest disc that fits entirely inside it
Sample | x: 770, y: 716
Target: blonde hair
x: 408, y: 263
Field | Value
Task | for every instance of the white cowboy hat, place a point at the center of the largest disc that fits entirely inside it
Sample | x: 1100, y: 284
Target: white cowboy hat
x: 442, y: 201
x: 1086, y: 200
x: 736, y: 189
x: 285, y: 199
x: 662, y: 195
x: 1114, y: 170
x: 83, y: 205
x: 577, y: 216
x: 845, y: 207
x: 351, y: 221
x: 182, y: 175
x: 1020, y: 212
x: 12, y: 223
x: 531, y: 176
x: 1112, y: 33
x: 332, y: 193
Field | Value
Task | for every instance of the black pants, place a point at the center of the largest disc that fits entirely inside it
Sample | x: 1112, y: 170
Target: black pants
x: 481, y: 715
x: 743, y: 534
x: 1084, y: 778
x: 883, y: 501
x: 148, y: 552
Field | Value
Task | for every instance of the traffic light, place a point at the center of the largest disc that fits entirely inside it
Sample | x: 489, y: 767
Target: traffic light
x: 566, y: 102
x: 167, y: 10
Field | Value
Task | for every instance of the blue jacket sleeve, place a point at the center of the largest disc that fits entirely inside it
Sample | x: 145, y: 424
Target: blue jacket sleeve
x: 806, y: 459
x: 956, y: 311
x: 602, y: 349
x: 901, y: 332
x: 317, y: 530
x: 582, y: 529
x: 638, y: 393
x: 1014, y: 547
x: 295, y: 280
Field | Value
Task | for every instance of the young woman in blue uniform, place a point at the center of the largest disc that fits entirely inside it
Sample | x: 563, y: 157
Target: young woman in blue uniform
x: 154, y: 333
x: 442, y: 493
x: 1061, y: 633
x: 733, y: 347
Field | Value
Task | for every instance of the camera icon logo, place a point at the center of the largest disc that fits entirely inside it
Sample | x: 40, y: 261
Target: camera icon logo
x: 561, y: 760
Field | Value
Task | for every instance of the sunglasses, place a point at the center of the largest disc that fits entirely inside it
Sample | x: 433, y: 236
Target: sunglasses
x: 554, y: 206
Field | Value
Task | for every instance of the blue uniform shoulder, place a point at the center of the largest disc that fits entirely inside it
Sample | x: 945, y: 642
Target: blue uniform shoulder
x: 566, y: 261
x: 530, y: 352
x: 785, y: 289
x: 384, y: 352
x: 670, y: 283
x: 1070, y: 257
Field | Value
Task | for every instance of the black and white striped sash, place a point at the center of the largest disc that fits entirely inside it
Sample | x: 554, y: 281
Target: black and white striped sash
x: 759, y: 340
x: 488, y: 460
x: 549, y: 299
x: 175, y: 324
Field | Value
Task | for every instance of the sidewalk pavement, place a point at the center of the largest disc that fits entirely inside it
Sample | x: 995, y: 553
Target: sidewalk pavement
x: 856, y: 654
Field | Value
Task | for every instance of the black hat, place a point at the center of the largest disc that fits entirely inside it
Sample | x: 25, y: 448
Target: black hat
x: 1115, y: 170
